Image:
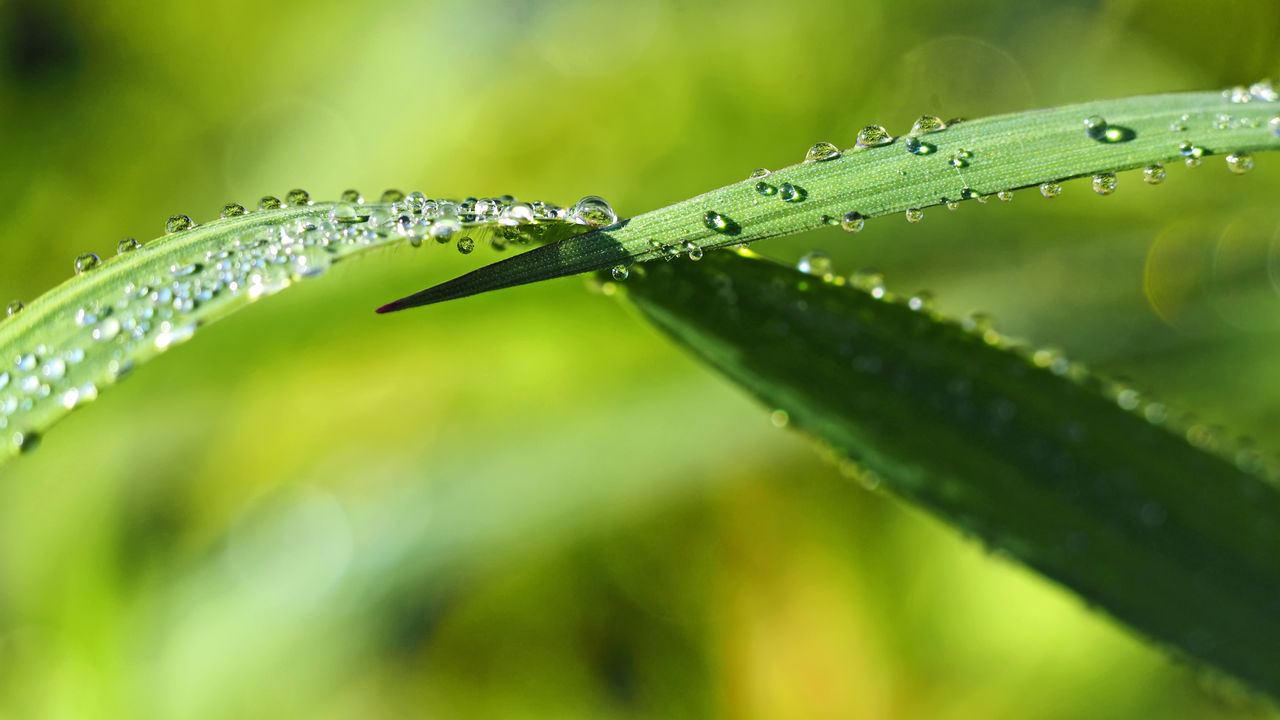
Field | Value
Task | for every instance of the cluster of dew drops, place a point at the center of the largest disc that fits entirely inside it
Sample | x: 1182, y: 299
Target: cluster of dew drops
x: 100, y: 342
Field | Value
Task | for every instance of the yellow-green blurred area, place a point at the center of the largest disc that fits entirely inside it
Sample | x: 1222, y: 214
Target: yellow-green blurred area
x: 530, y: 504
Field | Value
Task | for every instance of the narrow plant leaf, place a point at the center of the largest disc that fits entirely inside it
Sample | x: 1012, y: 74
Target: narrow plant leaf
x: 962, y: 163
x: 65, y: 346
x: 1081, y: 479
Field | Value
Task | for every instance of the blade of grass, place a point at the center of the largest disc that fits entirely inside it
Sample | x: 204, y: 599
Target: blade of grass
x: 1078, y: 478
x: 963, y: 162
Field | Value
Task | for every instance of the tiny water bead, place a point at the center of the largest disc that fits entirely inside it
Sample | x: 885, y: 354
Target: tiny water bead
x: 352, y: 196
x: 852, y: 222
x: 14, y: 308
x: 872, y: 136
x: 1095, y: 127
x: 620, y: 272
x: 914, y: 215
x: 791, y: 193
x: 87, y: 262
x: 270, y: 202
x: 1239, y: 162
x: 916, y: 146
x: 765, y: 188
x: 1050, y: 189
x: 816, y: 263
x: 1105, y: 183
x: 593, y: 211
x: 1005, y: 195
x: 693, y: 252
x: 232, y: 210
x: 127, y: 245
x: 466, y: 245
x: 822, y: 151
x: 759, y: 173
x: 927, y: 124
x: 960, y: 159
x: 178, y: 223
x: 1191, y: 151
x: 1153, y: 174
x: 297, y: 197
x: 921, y: 301
x: 715, y: 221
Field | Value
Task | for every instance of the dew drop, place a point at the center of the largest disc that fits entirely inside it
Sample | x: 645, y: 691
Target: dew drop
x: 1095, y: 127
x: 852, y: 222
x: 1105, y: 183
x: 127, y: 245
x: 14, y: 308
x: 872, y: 136
x: 391, y: 196
x: 1179, y: 125
x: 178, y: 223
x: 715, y: 221
x: 1188, y: 150
x: 914, y: 215
x: 791, y: 193
x: 816, y: 263
x: 620, y: 272
x: 1005, y: 195
x: 916, y: 146
x: 765, y: 188
x: 822, y: 151
x: 1239, y: 162
x: 927, y: 124
x: 1153, y: 174
x: 232, y: 210
x: 759, y: 173
x: 346, y: 213
x: 1050, y: 189
x: 297, y: 197
x: 868, y: 280
x: 922, y: 300
x: 269, y: 202
x: 693, y: 252
x: 1263, y: 91
x: 444, y: 228
x: 1237, y: 94
x: 466, y: 245
x: 26, y: 441
x: 87, y: 262
x: 593, y: 211
x: 352, y: 196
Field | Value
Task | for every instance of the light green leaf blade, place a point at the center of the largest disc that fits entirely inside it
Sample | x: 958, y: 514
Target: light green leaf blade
x: 1078, y: 478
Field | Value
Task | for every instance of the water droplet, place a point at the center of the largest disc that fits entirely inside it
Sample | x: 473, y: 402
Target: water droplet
x: 952, y: 205
x: 873, y: 135
x: 927, y: 124
x: 1274, y: 124
x: 715, y: 221
x: 127, y: 245
x: 26, y: 441
x: 87, y: 262
x: 1263, y: 91
x: 178, y: 223
x: 822, y: 151
x: 791, y: 193
x: 1179, y: 125
x: 960, y: 159
x: 269, y: 202
x: 1005, y: 195
x: 1095, y: 127
x: 297, y: 197
x: 693, y: 252
x: 1050, y: 189
x: 1188, y: 150
x: 816, y: 263
x: 759, y: 173
x: 1105, y: 183
x: 1237, y: 94
x: 391, y: 196
x: 594, y: 211
x: 852, y: 222
x: 346, y: 213
x: 466, y: 245
x: 914, y: 215
x: 1153, y: 174
x: 443, y: 229
x: 779, y: 418
x: 916, y: 146
x: 868, y: 280
x: 232, y: 210
x: 14, y: 308
x: 1239, y: 162
x: 922, y: 300
x: 765, y: 188
x: 620, y: 272
x: 352, y: 196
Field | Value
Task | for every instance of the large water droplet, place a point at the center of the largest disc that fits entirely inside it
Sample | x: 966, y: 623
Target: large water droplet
x: 270, y: 202
x: 620, y: 272
x: 791, y: 193
x: 87, y: 262
x: 1239, y: 162
x: 914, y: 215
x: 1153, y: 174
x: 873, y: 135
x: 466, y: 245
x: 816, y: 263
x: 232, y: 210
x: 765, y: 188
x: 178, y: 223
x: 852, y: 222
x: 715, y: 221
x: 822, y: 151
x: 594, y: 211
x: 1095, y: 127
x: 1262, y: 91
x: 1050, y: 189
x: 927, y: 124
x: 1105, y: 183
x: 352, y: 196
x: 127, y: 245
x: 297, y: 197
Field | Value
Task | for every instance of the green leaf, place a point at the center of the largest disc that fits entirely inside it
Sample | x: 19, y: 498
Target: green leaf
x: 964, y: 162
x: 1081, y: 479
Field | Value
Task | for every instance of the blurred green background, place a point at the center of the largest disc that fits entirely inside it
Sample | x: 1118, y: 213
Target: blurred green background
x: 529, y: 504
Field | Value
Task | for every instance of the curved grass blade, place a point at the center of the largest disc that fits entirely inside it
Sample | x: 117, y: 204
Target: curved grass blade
x: 1075, y: 477
x: 966, y: 161
x: 58, y: 352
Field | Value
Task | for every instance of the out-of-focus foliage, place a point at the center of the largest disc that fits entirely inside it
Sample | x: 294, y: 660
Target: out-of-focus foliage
x: 455, y: 511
